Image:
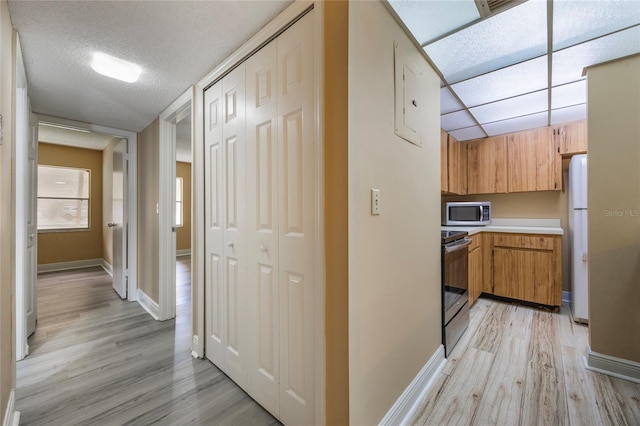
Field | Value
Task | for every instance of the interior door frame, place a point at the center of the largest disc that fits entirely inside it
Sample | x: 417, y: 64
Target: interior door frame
x: 167, y: 199
x: 132, y: 192
x: 267, y: 33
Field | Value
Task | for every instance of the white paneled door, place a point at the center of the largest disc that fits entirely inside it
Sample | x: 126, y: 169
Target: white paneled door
x: 225, y: 218
x: 262, y: 229
x: 118, y: 218
x: 296, y: 217
x: 32, y: 226
x: 260, y: 215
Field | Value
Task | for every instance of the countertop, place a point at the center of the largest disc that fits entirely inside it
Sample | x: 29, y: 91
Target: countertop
x: 522, y: 226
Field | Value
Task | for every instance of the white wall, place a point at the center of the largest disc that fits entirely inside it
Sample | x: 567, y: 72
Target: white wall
x: 394, y: 258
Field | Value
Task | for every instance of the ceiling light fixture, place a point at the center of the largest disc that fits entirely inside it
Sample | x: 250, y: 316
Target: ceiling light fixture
x: 115, y: 68
x: 62, y: 126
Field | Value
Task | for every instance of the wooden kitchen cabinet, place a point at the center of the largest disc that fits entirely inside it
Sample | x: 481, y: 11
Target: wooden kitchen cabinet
x: 571, y: 138
x: 487, y: 165
x: 533, y: 161
x: 526, y: 267
x: 457, y: 166
x: 475, y: 268
x: 444, y: 161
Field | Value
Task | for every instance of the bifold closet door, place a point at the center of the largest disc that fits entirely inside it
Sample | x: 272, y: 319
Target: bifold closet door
x: 297, y: 221
x: 225, y: 200
x: 262, y: 227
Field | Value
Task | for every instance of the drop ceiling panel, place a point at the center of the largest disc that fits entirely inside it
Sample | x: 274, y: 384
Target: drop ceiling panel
x: 516, y: 124
x: 513, y: 36
x: 428, y: 20
x: 577, y: 21
x: 569, y: 63
x: 572, y: 113
x: 448, y: 103
x: 508, y: 108
x: 525, y: 77
x: 469, y: 133
x: 569, y: 94
x: 456, y: 120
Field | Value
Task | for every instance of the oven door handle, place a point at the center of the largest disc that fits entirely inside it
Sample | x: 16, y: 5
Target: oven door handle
x: 457, y: 245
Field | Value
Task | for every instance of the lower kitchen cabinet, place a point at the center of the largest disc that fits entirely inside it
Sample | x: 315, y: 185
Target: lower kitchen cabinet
x: 475, y: 268
x: 525, y: 267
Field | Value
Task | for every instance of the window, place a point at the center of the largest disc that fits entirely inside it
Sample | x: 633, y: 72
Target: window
x: 63, y: 198
x: 179, y: 201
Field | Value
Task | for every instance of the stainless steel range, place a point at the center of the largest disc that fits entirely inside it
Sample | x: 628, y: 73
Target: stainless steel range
x: 455, y: 286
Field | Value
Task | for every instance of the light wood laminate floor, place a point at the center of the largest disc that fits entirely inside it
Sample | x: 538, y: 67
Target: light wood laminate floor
x: 517, y: 365
x: 98, y: 360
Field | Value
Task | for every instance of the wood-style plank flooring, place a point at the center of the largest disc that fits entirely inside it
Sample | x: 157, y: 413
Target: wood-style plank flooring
x: 98, y: 360
x: 517, y: 365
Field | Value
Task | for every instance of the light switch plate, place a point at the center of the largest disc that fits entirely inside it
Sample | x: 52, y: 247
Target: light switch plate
x: 375, y: 202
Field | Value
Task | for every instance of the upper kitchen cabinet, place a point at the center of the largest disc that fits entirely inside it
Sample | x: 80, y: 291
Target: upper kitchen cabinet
x: 457, y: 166
x: 571, y: 138
x: 453, y: 165
x: 487, y: 165
x: 444, y: 161
x: 533, y: 161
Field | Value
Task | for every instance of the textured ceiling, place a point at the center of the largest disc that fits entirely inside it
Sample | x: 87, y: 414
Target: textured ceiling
x: 175, y: 42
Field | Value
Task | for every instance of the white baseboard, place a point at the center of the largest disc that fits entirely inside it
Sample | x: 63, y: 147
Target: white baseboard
x: 196, y: 351
x: 566, y: 297
x: 149, y: 305
x: 107, y: 267
x: 65, y: 266
x: 612, y: 366
x: 185, y: 252
x: 11, y: 416
x: 406, y: 406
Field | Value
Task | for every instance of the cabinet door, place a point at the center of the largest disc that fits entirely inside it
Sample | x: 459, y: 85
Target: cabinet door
x: 475, y: 272
x: 571, y: 138
x: 487, y: 165
x: 532, y: 161
x: 444, y: 161
x: 457, y: 166
x: 524, y: 274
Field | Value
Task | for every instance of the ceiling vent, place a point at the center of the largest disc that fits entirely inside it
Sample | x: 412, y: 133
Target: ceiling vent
x: 491, y: 7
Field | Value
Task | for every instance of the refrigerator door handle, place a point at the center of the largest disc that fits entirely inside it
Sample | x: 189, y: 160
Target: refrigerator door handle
x: 585, y: 239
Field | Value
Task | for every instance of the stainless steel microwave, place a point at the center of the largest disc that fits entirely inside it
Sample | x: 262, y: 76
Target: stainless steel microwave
x: 470, y: 213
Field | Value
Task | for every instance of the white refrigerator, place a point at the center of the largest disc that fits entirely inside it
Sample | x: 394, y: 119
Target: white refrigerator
x: 578, y: 227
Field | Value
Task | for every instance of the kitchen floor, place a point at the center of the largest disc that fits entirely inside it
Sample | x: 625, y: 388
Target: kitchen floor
x: 520, y: 365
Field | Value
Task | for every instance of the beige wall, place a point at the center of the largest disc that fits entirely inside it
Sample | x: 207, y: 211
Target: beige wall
x: 183, y: 233
x: 148, y: 195
x: 336, y: 211
x: 532, y: 205
x: 7, y: 201
x: 613, y: 99
x: 54, y: 247
x: 394, y: 258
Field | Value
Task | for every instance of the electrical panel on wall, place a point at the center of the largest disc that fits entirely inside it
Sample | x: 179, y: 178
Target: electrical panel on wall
x: 407, y: 102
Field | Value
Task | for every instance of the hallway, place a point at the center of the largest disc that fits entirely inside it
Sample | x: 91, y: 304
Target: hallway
x: 96, y: 359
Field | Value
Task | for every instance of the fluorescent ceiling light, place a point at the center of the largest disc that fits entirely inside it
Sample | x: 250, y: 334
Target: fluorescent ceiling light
x: 115, y: 68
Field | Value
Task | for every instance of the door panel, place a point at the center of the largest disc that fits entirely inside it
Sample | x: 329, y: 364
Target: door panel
x: 118, y: 221
x: 32, y: 226
x: 234, y: 152
x: 296, y: 243
x: 214, y: 234
x: 262, y: 229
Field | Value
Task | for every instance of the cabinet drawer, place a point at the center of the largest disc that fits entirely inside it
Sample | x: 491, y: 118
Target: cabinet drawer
x: 475, y: 242
x: 535, y: 242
